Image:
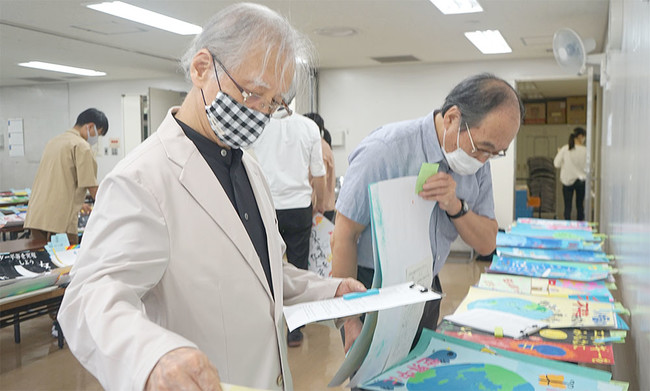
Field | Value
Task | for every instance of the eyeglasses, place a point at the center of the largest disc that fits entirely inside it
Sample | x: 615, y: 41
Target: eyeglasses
x: 253, y: 100
x: 484, y: 153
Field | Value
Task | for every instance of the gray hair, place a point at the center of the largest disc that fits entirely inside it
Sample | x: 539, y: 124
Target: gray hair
x: 478, y: 95
x: 243, y: 28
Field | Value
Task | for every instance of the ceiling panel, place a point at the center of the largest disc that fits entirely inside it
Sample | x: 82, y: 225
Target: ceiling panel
x: 65, y: 31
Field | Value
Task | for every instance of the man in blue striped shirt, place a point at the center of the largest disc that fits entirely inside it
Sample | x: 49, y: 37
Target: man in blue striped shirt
x: 478, y: 121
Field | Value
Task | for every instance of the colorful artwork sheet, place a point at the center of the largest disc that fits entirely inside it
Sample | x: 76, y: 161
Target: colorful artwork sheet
x: 550, y: 269
x: 554, y: 255
x: 592, y: 290
x: 556, y: 311
x: 555, y: 224
x: 26, y: 271
x: 516, y: 240
x: 441, y: 362
x: 12, y: 220
x: 542, y: 232
x: 570, y: 336
x: 13, y: 200
x: 535, y: 345
x: 26, y: 192
x: 402, y: 252
x: 320, y: 252
x: 14, y: 209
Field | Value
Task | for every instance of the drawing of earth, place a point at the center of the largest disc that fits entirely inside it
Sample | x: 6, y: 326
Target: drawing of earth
x: 463, y: 377
x: 513, y: 305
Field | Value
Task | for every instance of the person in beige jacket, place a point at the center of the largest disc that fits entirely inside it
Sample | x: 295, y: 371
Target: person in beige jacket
x: 67, y: 171
x: 180, y: 283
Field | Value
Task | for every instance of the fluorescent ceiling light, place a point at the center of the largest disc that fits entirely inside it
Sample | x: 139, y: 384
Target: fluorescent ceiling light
x: 61, y: 68
x: 489, y: 41
x: 449, y: 7
x: 150, y: 18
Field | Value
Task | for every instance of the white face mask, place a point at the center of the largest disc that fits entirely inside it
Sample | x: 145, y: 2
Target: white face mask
x: 459, y: 161
x: 92, y: 140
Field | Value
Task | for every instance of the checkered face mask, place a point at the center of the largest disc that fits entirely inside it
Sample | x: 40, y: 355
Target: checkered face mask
x: 235, y: 124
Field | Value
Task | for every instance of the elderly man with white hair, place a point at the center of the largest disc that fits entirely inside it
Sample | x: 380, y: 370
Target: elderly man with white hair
x: 180, y: 283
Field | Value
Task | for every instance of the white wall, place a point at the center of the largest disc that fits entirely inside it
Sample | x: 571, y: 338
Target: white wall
x: 355, y: 101
x: 45, y: 113
x: 625, y: 186
x: 50, y: 109
x: 358, y: 100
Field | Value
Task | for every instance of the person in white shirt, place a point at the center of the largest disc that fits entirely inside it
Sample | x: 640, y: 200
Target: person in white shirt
x: 289, y: 151
x: 571, y: 159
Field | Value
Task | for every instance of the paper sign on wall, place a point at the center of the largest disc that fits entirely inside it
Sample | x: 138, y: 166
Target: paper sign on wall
x: 15, y: 136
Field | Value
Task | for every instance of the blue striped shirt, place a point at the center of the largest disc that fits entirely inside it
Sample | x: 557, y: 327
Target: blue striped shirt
x: 397, y: 150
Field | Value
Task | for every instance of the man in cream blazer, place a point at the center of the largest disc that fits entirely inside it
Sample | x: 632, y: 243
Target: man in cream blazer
x: 170, y: 289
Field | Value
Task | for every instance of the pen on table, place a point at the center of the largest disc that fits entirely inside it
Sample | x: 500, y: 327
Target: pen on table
x: 607, y: 339
x: 356, y: 295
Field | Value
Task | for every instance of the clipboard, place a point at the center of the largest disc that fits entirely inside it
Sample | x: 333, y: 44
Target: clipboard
x: 357, y: 303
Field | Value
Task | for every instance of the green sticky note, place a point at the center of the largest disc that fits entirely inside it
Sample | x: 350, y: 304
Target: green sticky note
x: 426, y: 171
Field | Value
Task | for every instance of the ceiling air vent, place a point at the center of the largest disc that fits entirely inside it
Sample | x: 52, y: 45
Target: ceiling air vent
x: 394, y: 59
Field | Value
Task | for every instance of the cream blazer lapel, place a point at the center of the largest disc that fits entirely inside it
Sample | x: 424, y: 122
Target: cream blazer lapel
x: 199, y: 180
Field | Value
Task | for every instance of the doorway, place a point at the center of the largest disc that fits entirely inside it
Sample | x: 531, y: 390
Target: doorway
x: 554, y: 108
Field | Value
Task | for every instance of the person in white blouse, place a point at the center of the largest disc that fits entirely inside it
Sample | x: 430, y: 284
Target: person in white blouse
x: 571, y: 159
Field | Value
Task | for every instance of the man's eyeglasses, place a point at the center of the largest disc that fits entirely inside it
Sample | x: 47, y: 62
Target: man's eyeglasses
x: 483, y: 152
x: 253, y: 100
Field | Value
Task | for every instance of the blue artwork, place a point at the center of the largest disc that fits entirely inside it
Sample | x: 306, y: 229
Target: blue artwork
x: 550, y: 269
x: 517, y: 240
x: 568, y: 234
x: 513, y: 305
x: 546, y: 350
x: 554, y: 254
x: 470, y: 366
x: 463, y: 377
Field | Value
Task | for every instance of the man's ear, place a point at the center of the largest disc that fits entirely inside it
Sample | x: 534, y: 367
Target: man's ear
x: 452, y: 115
x: 201, y: 68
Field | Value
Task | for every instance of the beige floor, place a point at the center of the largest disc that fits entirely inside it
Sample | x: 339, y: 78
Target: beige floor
x: 38, y: 364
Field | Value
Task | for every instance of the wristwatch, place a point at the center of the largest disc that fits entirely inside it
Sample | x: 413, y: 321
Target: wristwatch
x: 464, y: 208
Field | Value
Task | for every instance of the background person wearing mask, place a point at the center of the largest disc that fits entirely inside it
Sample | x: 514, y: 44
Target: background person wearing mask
x: 67, y: 170
x: 571, y: 159
x: 180, y: 282
x: 478, y: 120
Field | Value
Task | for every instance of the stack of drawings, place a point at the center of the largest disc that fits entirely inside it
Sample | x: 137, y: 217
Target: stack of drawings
x: 545, y: 299
x: 26, y: 271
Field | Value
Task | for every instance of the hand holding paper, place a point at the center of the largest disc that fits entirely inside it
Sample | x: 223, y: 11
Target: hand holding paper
x: 340, y: 307
x: 349, y: 286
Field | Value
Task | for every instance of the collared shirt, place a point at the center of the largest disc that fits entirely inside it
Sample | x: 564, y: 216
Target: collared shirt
x: 397, y: 150
x: 227, y: 166
x: 289, y: 149
x: 66, y: 170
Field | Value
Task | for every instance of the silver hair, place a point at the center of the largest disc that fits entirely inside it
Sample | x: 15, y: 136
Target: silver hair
x: 235, y: 32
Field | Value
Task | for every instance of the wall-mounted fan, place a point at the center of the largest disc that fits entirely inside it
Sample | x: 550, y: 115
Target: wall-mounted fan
x: 571, y: 51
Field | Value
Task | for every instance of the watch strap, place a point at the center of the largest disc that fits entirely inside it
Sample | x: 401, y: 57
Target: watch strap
x: 464, y: 208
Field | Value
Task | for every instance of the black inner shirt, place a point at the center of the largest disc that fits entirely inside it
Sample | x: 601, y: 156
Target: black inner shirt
x: 227, y: 166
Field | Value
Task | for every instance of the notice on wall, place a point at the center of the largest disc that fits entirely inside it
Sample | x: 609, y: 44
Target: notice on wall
x: 15, y: 136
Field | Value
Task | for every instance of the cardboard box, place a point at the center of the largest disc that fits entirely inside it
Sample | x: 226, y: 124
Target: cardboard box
x: 556, y: 111
x: 576, y: 110
x: 535, y: 113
